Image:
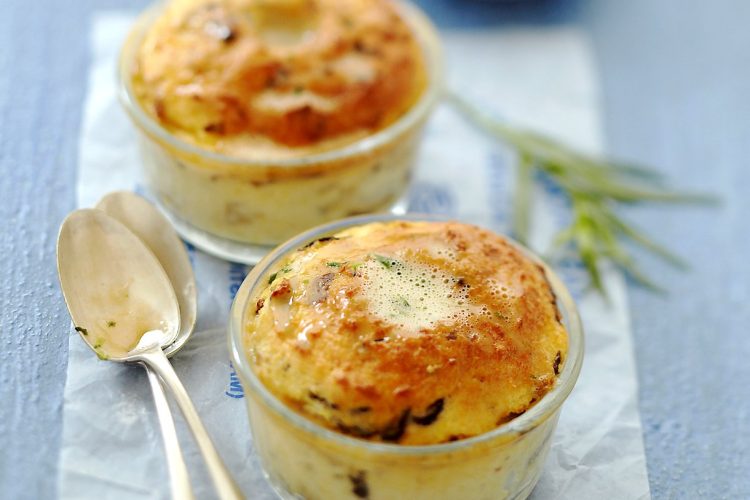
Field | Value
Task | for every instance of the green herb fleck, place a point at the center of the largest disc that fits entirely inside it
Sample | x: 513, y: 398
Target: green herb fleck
x: 82, y: 330
x: 347, y: 22
x: 402, y: 301
x: 387, y: 262
x: 98, y: 343
x: 111, y: 323
x: 101, y: 355
x: 284, y: 270
x: 333, y: 264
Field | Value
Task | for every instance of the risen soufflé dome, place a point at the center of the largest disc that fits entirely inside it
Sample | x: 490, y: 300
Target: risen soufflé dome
x: 407, y: 332
x: 231, y: 74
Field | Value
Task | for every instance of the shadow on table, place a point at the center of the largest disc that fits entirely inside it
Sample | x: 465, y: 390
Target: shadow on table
x: 494, y: 13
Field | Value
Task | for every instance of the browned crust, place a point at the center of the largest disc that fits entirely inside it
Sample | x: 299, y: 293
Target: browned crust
x: 204, y: 65
x: 480, y: 373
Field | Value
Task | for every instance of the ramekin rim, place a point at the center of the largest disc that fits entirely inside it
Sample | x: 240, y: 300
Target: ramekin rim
x: 534, y: 416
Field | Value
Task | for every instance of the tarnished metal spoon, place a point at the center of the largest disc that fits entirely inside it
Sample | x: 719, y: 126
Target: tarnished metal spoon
x: 124, y: 307
x: 157, y: 233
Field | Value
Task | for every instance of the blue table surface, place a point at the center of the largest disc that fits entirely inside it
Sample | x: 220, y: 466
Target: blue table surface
x: 676, y: 95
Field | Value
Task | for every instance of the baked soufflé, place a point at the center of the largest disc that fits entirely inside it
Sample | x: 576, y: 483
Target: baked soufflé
x: 407, y: 332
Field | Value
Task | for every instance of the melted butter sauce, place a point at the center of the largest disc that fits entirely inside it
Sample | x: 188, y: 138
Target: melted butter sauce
x: 127, y: 318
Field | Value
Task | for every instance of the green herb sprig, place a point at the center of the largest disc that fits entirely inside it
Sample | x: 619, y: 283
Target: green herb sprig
x: 595, y: 187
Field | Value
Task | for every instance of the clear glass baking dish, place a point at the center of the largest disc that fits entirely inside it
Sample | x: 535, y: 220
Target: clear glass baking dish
x: 238, y: 209
x: 305, y: 460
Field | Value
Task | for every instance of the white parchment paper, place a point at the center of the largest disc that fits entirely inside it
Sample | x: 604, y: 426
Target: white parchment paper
x: 111, y: 447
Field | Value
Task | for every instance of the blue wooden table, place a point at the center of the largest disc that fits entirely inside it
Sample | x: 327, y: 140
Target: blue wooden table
x: 676, y: 81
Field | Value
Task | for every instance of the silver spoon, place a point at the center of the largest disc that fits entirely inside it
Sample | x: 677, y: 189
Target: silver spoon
x: 148, y: 223
x: 157, y: 233
x: 125, y: 309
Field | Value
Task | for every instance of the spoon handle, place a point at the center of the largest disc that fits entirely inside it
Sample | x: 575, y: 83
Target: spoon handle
x: 178, y: 475
x: 225, y: 486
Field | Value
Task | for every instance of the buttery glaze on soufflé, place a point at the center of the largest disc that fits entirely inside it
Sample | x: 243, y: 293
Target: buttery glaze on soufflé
x: 407, y: 332
x: 259, y: 78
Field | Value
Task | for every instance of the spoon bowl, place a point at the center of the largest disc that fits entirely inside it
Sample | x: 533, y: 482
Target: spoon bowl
x: 114, y: 286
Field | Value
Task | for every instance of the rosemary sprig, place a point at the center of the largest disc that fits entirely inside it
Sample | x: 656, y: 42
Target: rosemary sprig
x: 594, y: 185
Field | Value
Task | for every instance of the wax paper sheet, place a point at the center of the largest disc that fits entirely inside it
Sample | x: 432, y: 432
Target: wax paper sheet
x: 544, y: 78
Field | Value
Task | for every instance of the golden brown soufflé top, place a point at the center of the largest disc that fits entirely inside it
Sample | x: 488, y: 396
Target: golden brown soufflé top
x: 294, y: 73
x: 407, y: 332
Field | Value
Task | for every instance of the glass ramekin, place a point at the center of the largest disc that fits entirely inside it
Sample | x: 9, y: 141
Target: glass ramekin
x: 238, y: 209
x: 305, y: 460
